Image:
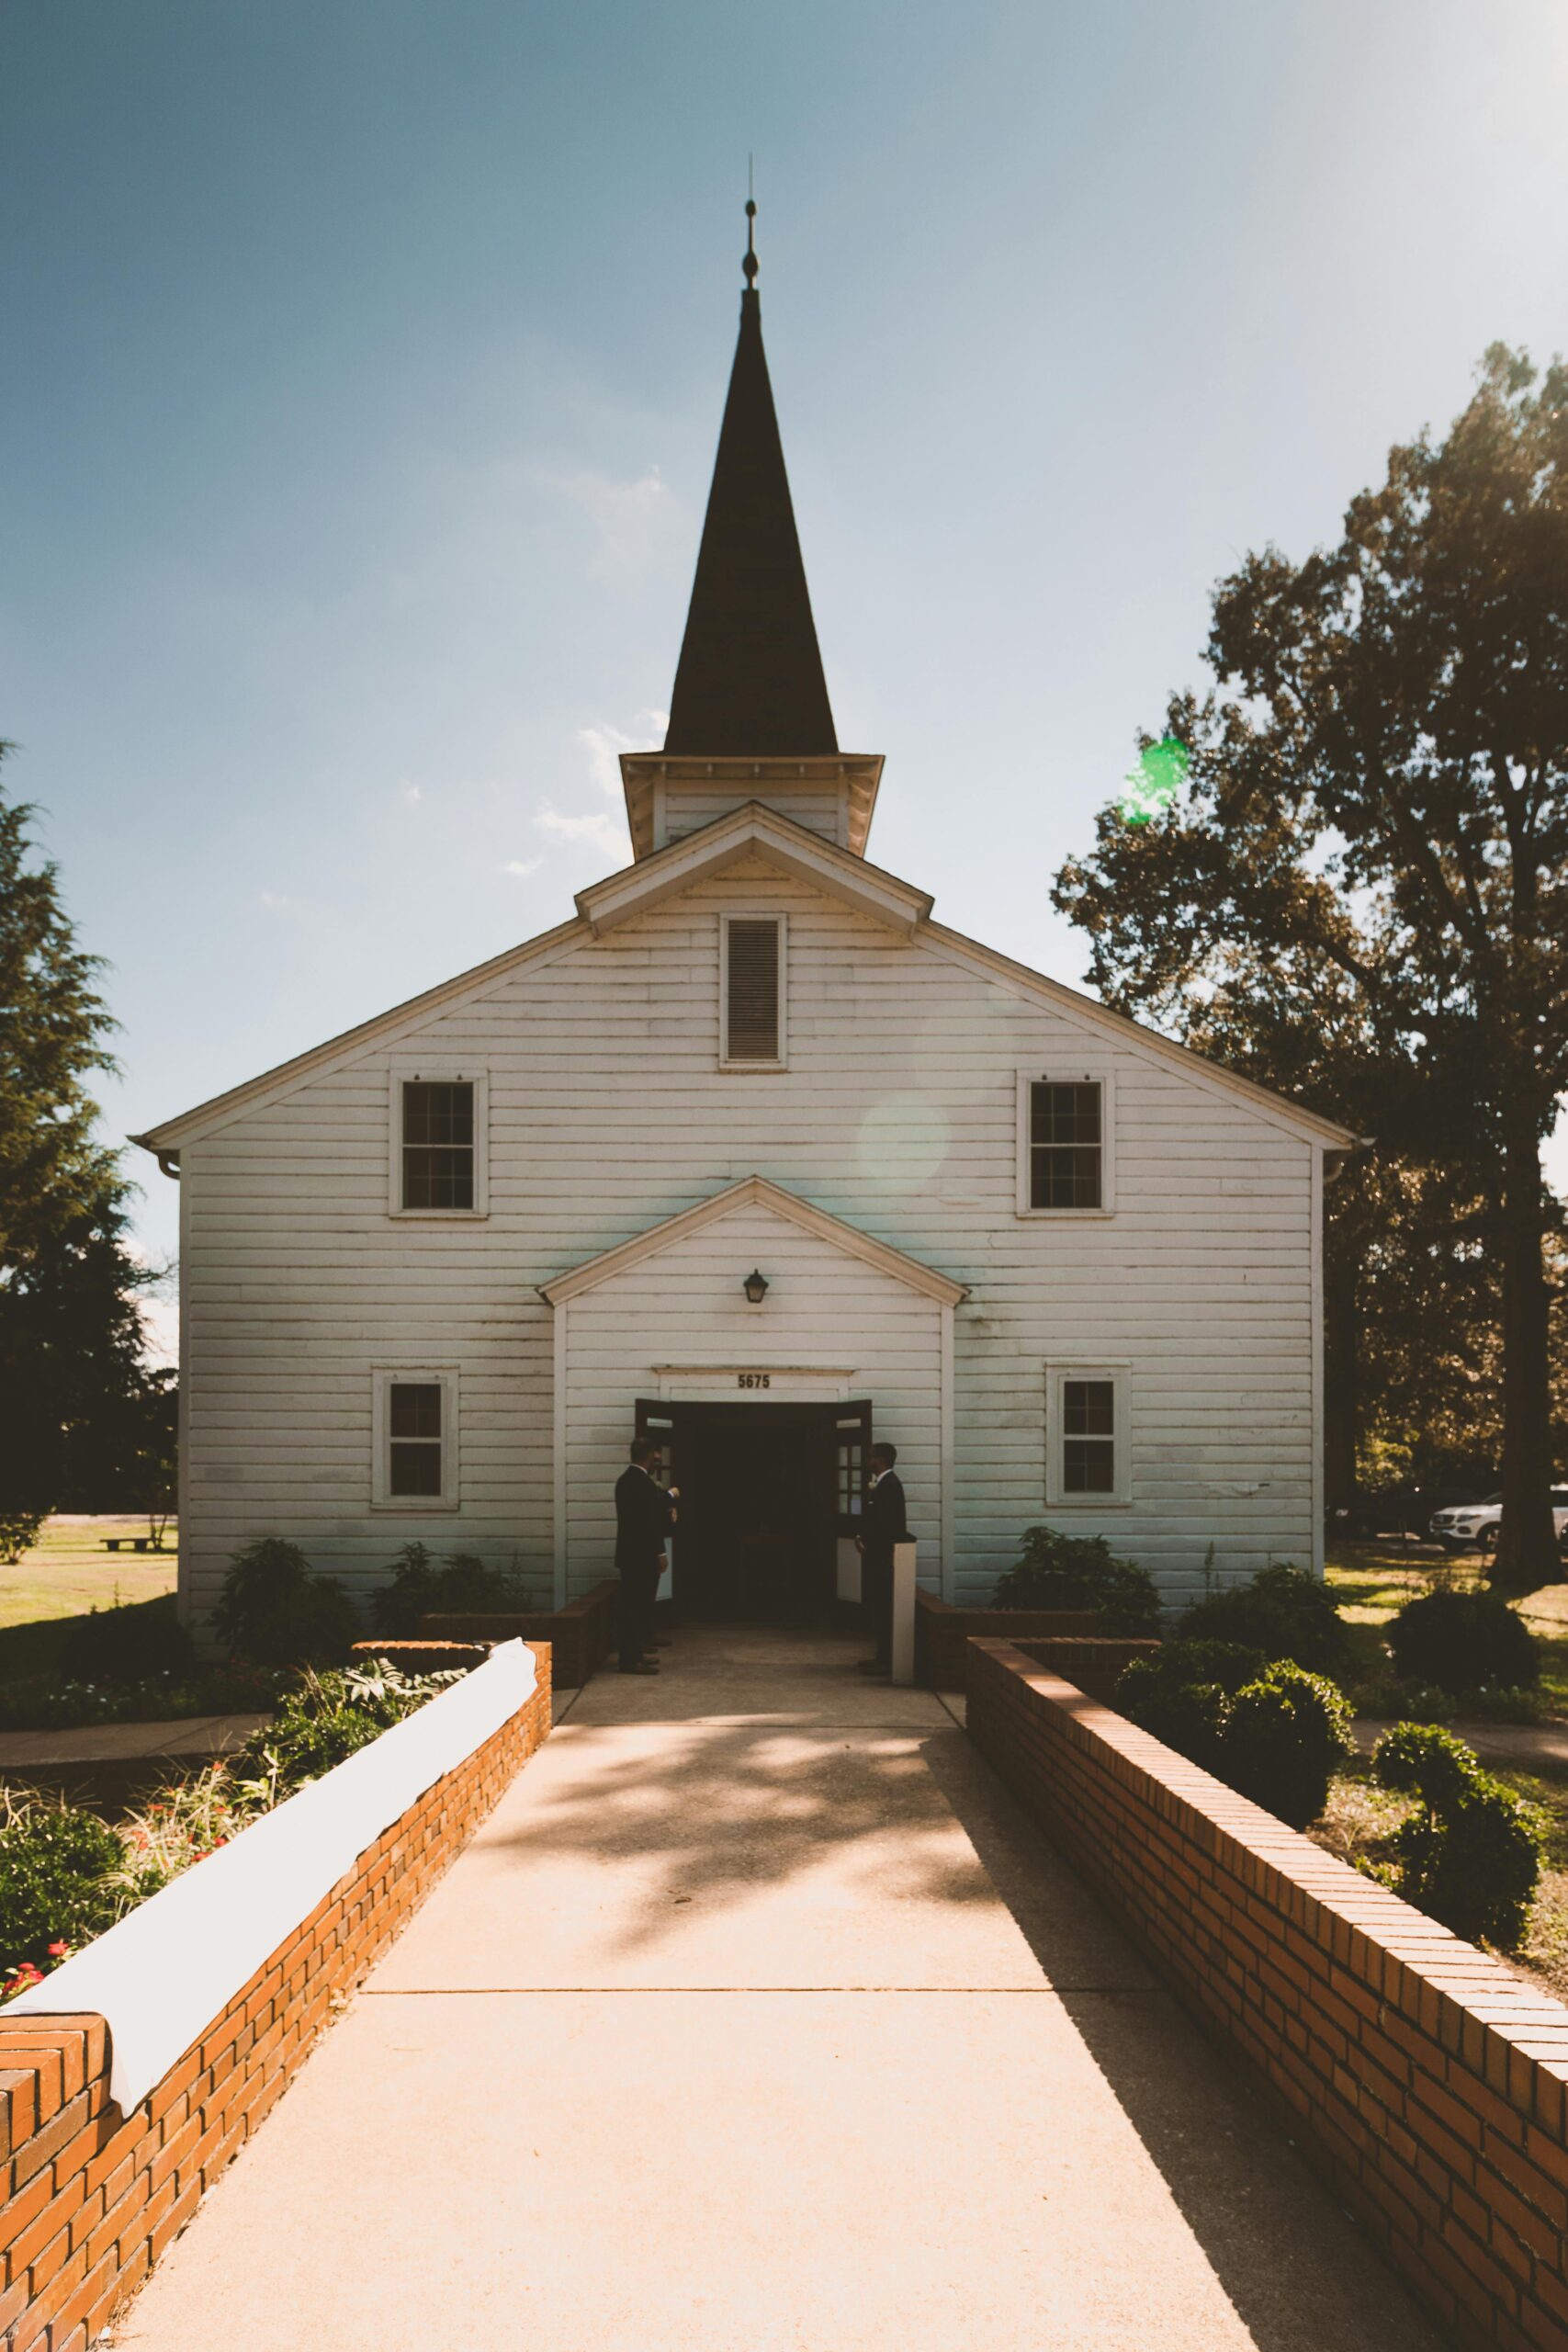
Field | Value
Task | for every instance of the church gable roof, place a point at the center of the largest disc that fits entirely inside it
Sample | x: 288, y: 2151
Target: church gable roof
x: 761, y: 1192
x: 749, y: 832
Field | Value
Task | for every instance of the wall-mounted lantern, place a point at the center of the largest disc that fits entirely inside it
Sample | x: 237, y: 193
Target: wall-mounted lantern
x: 755, y: 1287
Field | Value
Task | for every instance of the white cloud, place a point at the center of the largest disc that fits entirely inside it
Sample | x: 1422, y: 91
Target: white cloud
x: 640, y: 525
x: 523, y: 866
x: 604, y: 744
x: 605, y: 833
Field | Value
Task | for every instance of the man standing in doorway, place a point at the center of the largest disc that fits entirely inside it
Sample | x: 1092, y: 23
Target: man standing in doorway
x: 644, y: 1516
x: 885, y: 1525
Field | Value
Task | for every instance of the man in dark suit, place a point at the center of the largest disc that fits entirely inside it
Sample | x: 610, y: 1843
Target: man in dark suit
x: 885, y: 1525
x: 644, y: 1516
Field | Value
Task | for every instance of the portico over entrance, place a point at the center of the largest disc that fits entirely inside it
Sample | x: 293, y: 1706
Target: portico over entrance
x: 846, y: 1329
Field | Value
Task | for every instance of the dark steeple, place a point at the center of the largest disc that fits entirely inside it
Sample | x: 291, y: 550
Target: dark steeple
x: 750, y: 679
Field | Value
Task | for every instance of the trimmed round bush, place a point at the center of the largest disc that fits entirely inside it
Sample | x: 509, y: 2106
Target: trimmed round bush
x: 1284, y: 1612
x: 1465, y: 1641
x: 1182, y: 1695
x: 1472, y: 1856
x: 275, y: 1613
x: 1057, y: 1571
x: 1286, y: 1735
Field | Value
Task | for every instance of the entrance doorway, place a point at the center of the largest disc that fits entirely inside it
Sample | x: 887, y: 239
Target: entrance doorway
x: 767, y: 1492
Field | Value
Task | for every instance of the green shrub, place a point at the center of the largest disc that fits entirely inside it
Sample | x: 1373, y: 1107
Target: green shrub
x: 1286, y: 1735
x: 1271, y: 1731
x: 1057, y: 1571
x: 275, y: 1613
x: 1285, y: 1612
x: 60, y: 1882
x: 1472, y: 1856
x: 419, y: 1589
x: 1465, y: 1641
x: 180, y: 1825
x: 1182, y: 1694
x: 128, y: 1644
x: 19, y: 1534
x: 324, y: 1719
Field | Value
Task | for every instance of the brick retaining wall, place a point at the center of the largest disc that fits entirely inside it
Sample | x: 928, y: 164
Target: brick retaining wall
x: 580, y: 1634
x: 943, y: 1630
x: 1427, y: 2082
x: 91, y: 2197
x: 1094, y: 1662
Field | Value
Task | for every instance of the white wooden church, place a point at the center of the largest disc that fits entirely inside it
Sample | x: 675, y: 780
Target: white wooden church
x: 754, y: 1154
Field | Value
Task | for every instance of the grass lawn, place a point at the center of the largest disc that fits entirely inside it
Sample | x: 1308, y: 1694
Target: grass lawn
x: 1370, y: 1581
x: 66, y: 1573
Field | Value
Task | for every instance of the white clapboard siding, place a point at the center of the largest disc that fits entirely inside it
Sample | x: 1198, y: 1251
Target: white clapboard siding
x: 608, y: 1113
x: 822, y: 808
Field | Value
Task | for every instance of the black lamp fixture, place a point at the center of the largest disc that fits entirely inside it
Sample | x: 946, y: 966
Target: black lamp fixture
x: 755, y: 1287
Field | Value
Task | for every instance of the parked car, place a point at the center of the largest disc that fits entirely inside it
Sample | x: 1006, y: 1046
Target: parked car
x: 1396, y: 1510
x: 1472, y: 1527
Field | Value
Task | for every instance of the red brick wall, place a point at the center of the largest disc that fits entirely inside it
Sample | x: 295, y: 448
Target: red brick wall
x: 580, y: 1634
x: 93, y: 2197
x: 1427, y: 2083
x: 1094, y: 1662
x: 943, y: 1628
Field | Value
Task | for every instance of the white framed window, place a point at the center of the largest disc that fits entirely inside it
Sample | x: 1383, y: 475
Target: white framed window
x: 1067, y: 1142
x: 753, y: 960
x: 414, y: 1433
x: 439, y: 1118
x: 1088, y: 1437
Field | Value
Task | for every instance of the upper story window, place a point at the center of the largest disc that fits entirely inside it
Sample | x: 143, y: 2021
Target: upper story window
x: 438, y: 1153
x: 752, y: 984
x: 1065, y: 1138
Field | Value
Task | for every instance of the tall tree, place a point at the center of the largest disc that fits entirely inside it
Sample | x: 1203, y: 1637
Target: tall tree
x: 1364, y: 896
x: 82, y: 1411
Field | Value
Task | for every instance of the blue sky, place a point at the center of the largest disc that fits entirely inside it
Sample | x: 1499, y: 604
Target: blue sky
x: 365, y: 365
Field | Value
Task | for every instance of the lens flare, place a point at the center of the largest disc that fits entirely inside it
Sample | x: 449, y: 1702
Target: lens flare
x: 1153, y: 784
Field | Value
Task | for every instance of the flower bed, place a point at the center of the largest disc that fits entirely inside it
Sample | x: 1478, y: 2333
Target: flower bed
x: 66, y: 1876
x: 52, y: 1702
x: 213, y: 1993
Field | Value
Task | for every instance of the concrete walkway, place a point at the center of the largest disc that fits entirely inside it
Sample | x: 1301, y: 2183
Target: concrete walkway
x: 758, y: 2019
x: 181, y: 1739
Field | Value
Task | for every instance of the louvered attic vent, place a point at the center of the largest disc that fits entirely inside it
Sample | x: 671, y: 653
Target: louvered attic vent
x: 751, y: 1029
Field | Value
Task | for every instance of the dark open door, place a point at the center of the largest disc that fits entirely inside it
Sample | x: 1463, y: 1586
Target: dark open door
x: 851, y: 1432
x: 656, y: 1422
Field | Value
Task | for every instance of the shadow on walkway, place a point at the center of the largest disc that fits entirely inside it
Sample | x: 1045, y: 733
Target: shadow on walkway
x: 1265, y: 2222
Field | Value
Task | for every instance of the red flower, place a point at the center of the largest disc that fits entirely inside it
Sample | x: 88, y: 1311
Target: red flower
x: 59, y: 1950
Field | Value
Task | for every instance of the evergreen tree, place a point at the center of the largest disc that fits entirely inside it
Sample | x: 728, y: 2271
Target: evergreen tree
x: 85, y: 1421
x: 1363, y: 900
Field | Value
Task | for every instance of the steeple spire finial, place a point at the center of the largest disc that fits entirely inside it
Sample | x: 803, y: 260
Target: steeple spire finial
x: 749, y: 263
x: 750, y: 678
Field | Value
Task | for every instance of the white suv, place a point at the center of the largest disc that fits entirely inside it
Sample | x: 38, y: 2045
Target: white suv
x: 1472, y: 1527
